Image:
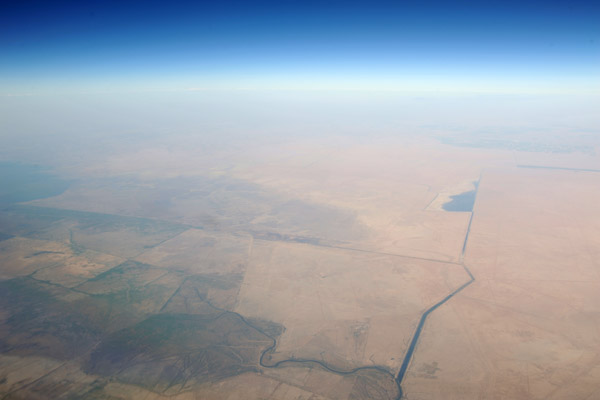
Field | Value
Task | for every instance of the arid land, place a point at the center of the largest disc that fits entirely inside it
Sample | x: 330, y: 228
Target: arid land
x: 310, y: 270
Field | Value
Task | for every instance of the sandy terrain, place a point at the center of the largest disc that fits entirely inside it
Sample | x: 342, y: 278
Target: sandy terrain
x: 349, y: 308
x: 192, y: 274
x: 529, y: 326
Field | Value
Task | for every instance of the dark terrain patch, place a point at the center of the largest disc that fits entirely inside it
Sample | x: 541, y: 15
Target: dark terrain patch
x: 111, y: 234
x: 168, y: 353
x: 128, y: 275
x: 201, y: 294
x: 131, y: 290
x: 40, y: 320
x: 371, y: 384
x: 274, y: 236
x: 269, y: 328
x: 27, y: 221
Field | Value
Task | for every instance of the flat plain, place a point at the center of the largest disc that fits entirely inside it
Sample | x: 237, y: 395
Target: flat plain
x: 529, y: 326
x: 306, y: 270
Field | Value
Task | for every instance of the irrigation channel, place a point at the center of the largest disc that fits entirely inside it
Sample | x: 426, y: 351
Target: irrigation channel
x: 407, y: 357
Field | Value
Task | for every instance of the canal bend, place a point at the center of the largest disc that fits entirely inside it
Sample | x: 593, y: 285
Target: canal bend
x: 398, y: 378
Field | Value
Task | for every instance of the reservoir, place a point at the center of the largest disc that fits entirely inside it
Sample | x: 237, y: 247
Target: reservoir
x: 462, y: 202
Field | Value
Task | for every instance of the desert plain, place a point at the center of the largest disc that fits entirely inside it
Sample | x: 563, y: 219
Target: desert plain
x: 425, y: 266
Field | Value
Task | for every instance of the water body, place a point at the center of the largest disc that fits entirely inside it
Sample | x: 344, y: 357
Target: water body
x: 22, y: 182
x: 559, y: 168
x: 303, y: 361
x: 405, y: 363
x: 413, y: 343
x: 462, y: 202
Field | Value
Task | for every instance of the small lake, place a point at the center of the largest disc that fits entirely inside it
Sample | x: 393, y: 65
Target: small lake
x: 462, y: 202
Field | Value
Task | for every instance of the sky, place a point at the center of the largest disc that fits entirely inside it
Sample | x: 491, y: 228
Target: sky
x: 111, y: 46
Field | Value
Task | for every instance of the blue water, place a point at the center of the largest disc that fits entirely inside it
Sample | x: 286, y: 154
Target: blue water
x: 461, y: 202
x: 22, y: 182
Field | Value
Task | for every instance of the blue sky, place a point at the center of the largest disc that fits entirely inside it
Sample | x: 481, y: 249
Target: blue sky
x: 53, y: 47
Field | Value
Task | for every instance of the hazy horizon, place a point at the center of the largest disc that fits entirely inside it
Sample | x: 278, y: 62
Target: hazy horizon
x: 292, y: 200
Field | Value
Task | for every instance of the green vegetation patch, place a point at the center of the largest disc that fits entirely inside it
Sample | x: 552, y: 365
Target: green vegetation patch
x: 111, y: 234
x: 169, y: 353
x: 203, y: 293
x: 40, y: 320
x: 26, y: 221
x: 133, y: 288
